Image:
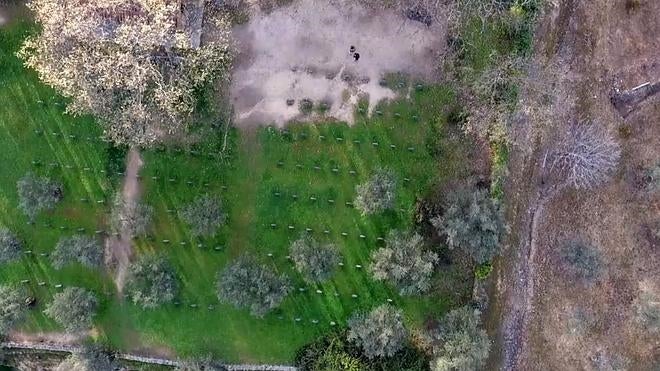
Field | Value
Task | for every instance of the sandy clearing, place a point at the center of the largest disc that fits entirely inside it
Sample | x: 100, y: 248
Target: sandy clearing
x: 302, y: 51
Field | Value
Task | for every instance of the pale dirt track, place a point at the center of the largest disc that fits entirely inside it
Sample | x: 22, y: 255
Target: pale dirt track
x: 119, y: 248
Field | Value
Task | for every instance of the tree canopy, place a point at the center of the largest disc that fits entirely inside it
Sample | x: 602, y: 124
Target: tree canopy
x: 247, y: 284
x: 404, y: 263
x: 151, y: 281
x: 36, y: 194
x: 86, y: 250
x: 204, y: 215
x: 137, y: 65
x: 12, y: 307
x: 315, y: 261
x: 133, y: 217
x: 380, y: 333
x: 474, y: 222
x: 89, y: 359
x: 459, y: 342
x: 74, y: 309
x: 377, y: 194
x: 10, y: 246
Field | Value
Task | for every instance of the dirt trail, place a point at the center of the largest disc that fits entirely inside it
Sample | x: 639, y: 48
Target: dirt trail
x: 62, y: 338
x: 119, y: 248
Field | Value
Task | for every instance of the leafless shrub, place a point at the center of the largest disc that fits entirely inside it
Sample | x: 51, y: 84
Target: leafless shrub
x: 584, y: 157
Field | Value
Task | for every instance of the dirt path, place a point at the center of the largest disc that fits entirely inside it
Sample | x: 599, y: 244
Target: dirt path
x: 118, y: 248
x: 520, y: 307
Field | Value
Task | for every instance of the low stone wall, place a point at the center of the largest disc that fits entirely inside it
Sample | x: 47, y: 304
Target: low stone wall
x: 48, y: 347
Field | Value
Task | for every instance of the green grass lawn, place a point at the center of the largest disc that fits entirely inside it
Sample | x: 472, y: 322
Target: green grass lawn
x: 274, y: 185
x: 37, y: 136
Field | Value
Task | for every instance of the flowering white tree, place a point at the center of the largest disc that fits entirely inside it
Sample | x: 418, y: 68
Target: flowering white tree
x: 137, y: 65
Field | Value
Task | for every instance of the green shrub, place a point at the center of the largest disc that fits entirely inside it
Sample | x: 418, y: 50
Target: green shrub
x: 404, y: 263
x: 86, y: 250
x: 316, y: 262
x: 247, y: 284
x: 483, y: 270
x: 474, y: 222
x: 204, y: 215
x: 10, y: 246
x: 380, y: 333
x: 151, y: 281
x: 459, y: 342
x: 37, y: 194
x: 583, y: 261
x: 74, y: 308
x: 12, y: 307
x: 377, y: 194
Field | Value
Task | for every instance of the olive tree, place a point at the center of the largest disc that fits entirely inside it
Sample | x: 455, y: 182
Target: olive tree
x: 404, y: 263
x: 247, y: 284
x: 459, y: 342
x: 132, y: 217
x: 474, y: 222
x: 10, y: 246
x: 12, y: 307
x: 86, y: 250
x: 315, y: 261
x: 377, y: 194
x: 137, y: 65
x: 36, y: 194
x: 380, y: 333
x: 204, y: 215
x: 74, y: 309
x: 151, y: 281
x: 89, y: 359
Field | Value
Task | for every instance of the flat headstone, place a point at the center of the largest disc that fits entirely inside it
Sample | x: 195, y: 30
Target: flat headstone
x: 358, y: 266
x: 319, y: 292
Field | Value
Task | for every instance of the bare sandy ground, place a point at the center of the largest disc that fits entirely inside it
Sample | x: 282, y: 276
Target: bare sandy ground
x: 303, y: 51
x: 119, y: 248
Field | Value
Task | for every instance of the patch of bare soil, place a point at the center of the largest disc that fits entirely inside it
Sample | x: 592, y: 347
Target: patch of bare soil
x: 303, y: 51
x: 59, y: 338
x: 118, y: 249
x: 549, y: 320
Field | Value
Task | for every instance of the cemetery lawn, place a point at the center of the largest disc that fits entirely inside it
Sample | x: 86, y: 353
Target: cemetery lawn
x: 274, y: 184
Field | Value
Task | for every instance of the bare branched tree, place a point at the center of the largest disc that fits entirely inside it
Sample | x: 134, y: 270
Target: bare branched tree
x: 584, y: 157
